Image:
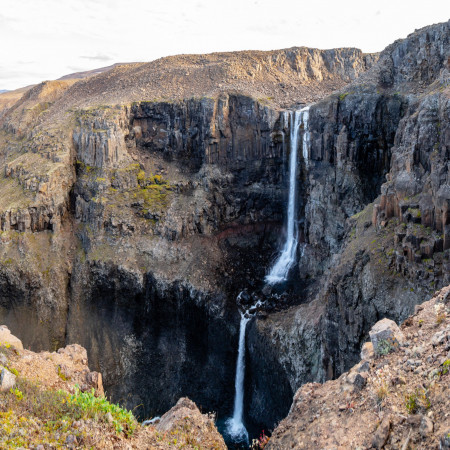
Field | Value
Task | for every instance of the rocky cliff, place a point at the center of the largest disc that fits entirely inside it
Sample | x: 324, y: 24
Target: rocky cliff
x: 154, y: 204
x: 136, y: 204
x: 397, y: 393
x: 374, y: 211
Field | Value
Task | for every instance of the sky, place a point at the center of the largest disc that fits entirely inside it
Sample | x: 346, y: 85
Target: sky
x: 46, y: 39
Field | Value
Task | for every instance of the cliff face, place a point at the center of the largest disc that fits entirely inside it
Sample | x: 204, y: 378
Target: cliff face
x: 398, y: 392
x: 375, y: 210
x: 153, y: 214
x: 157, y: 192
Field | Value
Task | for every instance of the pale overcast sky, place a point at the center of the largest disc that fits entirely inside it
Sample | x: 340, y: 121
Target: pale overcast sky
x: 45, y: 39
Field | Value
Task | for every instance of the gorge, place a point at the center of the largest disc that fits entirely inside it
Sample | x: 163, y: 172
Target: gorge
x: 137, y: 204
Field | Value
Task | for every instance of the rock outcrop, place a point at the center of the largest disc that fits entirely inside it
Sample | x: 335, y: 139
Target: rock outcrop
x: 399, y: 397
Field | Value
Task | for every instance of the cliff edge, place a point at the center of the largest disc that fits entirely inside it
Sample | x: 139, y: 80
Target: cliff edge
x: 396, y: 397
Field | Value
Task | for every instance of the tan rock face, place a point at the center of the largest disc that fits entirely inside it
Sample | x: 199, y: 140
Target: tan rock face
x: 186, y: 416
x: 9, y: 339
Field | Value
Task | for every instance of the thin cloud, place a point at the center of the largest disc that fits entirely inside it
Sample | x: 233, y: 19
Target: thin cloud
x: 98, y: 58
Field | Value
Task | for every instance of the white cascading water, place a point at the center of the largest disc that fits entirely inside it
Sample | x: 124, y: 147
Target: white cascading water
x: 235, y: 425
x: 306, y: 134
x: 280, y: 269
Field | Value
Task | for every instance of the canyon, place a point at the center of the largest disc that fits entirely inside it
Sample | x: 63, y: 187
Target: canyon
x: 137, y: 204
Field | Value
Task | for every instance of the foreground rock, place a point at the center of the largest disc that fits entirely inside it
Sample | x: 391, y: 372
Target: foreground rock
x: 402, y: 403
x: 186, y: 419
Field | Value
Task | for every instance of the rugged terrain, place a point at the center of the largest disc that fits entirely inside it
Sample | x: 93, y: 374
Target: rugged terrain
x: 52, y: 400
x: 137, y: 203
x: 397, y: 395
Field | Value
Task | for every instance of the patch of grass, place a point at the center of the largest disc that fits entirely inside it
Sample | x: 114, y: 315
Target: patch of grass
x: 417, y: 400
x: 30, y: 414
x: 92, y: 406
x: 384, y: 347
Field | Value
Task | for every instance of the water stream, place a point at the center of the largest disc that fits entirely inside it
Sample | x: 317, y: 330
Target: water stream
x: 280, y: 269
x: 235, y: 425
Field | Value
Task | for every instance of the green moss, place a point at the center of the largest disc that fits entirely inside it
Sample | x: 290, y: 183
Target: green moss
x: 342, y: 96
x: 415, y: 212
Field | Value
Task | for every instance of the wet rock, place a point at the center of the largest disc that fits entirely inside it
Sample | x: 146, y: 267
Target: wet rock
x: 7, y: 380
x: 386, y: 334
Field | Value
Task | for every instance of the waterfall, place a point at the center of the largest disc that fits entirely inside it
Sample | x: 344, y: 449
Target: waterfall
x: 235, y: 425
x: 284, y: 262
x: 306, y: 135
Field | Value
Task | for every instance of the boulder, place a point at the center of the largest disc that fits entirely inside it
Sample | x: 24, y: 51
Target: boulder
x: 367, y: 351
x: 9, y: 339
x: 386, y: 335
x: 7, y: 380
x: 186, y: 415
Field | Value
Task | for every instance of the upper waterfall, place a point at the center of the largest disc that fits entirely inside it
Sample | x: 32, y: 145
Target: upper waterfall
x: 284, y: 262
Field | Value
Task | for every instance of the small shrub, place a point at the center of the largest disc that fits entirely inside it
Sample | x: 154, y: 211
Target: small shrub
x: 382, y: 392
x: 18, y: 393
x: 411, y: 402
x: 440, y: 318
x: 445, y: 367
x: 417, y: 400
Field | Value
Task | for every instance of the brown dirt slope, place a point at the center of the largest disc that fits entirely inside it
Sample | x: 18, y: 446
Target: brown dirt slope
x: 283, y: 77
x: 397, y: 400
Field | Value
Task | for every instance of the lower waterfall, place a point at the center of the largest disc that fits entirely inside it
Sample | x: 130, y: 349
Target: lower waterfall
x: 235, y: 425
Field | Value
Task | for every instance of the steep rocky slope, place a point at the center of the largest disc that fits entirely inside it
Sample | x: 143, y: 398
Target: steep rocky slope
x: 373, y: 248
x: 398, y: 394
x: 137, y: 203
x: 52, y: 400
